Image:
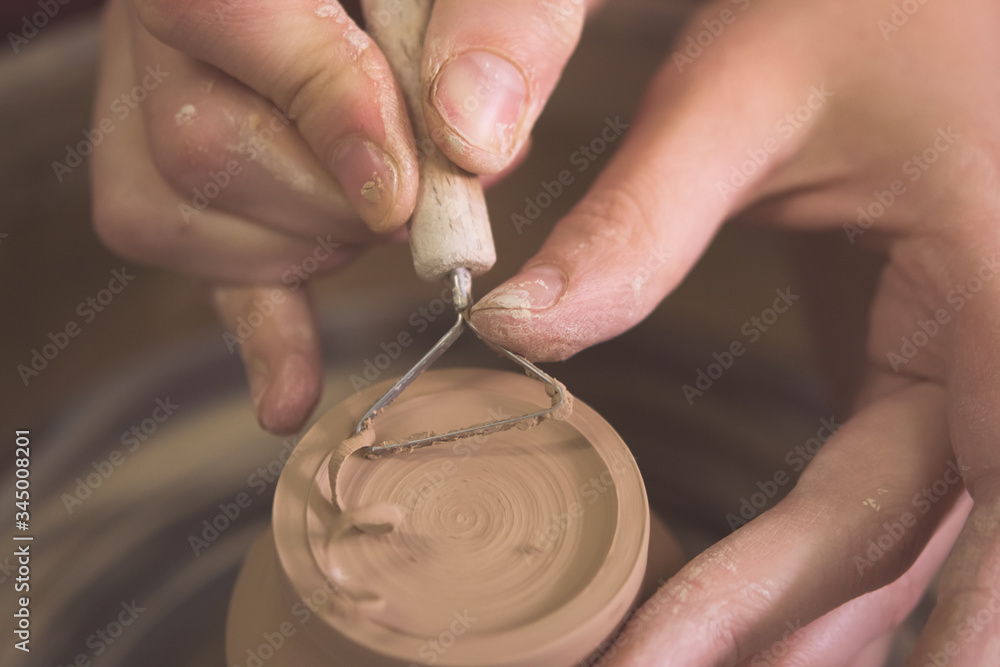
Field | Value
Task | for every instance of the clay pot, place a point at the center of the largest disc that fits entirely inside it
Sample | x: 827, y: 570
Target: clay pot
x: 517, y: 548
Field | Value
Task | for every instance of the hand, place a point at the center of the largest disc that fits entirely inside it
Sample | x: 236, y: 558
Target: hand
x: 846, y: 114
x: 254, y: 146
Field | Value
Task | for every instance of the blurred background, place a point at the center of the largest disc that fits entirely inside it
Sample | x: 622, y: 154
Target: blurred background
x: 141, y: 424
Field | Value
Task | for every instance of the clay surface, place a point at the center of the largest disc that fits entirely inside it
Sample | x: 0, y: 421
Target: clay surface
x: 522, y: 547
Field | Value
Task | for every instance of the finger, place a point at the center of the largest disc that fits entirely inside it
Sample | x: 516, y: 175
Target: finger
x: 964, y: 628
x: 834, y: 639
x: 489, y: 68
x: 654, y: 209
x: 664, y: 557
x: 324, y: 73
x: 275, y: 332
x: 873, y: 655
x: 856, y: 521
x: 220, y: 144
x: 139, y: 216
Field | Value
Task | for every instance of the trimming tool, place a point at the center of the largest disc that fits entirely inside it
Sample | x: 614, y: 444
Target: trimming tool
x: 450, y: 234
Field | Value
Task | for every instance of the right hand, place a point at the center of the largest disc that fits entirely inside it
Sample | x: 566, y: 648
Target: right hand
x: 272, y: 143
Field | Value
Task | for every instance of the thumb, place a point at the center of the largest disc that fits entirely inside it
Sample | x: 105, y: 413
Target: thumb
x: 654, y: 209
x: 489, y: 68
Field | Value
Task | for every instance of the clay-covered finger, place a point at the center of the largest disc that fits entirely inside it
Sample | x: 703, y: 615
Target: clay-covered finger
x: 488, y: 71
x: 275, y: 333
x: 223, y: 146
x: 137, y: 214
x: 860, y: 515
x: 857, y: 631
x: 324, y: 73
x: 656, y: 206
x: 964, y: 628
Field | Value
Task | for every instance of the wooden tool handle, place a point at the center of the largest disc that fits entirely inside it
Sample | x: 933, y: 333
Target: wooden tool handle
x: 450, y: 227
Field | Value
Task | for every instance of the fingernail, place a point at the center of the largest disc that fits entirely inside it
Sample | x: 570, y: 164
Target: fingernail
x: 481, y: 96
x: 538, y: 288
x: 290, y: 396
x: 368, y: 177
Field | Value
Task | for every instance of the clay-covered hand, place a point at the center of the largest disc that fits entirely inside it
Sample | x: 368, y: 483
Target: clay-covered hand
x: 878, y: 118
x: 257, y: 144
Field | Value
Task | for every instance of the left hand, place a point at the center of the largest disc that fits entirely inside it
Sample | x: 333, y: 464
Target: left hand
x: 820, y: 115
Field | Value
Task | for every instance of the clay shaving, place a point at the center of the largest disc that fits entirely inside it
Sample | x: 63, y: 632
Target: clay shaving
x: 372, y: 189
x: 557, y: 412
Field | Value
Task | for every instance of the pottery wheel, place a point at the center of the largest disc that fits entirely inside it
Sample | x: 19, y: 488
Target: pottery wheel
x: 514, y: 547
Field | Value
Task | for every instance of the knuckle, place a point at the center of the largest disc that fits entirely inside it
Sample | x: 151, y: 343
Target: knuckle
x: 308, y: 86
x: 615, y: 215
x: 132, y: 226
x: 728, y: 630
x: 314, y: 90
x: 122, y: 228
x: 183, y: 167
x: 342, y: 71
x: 188, y: 154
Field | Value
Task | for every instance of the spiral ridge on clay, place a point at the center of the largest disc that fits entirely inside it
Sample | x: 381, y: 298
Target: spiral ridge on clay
x: 510, y: 535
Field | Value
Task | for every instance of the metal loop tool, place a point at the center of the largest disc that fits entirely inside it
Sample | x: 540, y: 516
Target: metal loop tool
x: 450, y: 234
x: 461, y: 289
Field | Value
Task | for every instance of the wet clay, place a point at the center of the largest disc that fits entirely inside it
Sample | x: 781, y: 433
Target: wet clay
x: 522, y: 547
x: 372, y: 189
